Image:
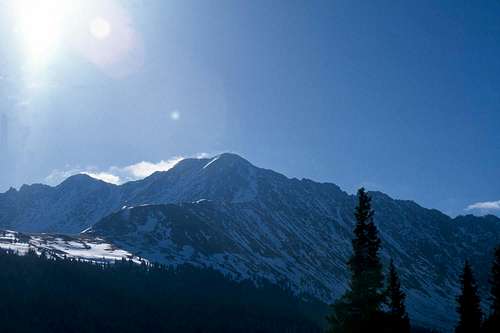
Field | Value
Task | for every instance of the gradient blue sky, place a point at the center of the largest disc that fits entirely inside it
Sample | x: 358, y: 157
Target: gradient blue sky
x: 399, y: 96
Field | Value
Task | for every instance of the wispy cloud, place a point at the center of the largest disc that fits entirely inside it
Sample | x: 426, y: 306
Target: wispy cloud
x: 114, y: 174
x: 485, y: 207
x: 105, y: 177
x: 144, y: 169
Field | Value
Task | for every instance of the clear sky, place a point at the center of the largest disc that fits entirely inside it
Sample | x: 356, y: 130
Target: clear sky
x: 399, y: 96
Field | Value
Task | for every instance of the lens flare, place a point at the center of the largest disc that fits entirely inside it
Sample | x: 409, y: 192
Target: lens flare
x: 100, y: 28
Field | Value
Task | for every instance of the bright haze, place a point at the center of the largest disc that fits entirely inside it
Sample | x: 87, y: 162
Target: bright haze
x: 394, y: 96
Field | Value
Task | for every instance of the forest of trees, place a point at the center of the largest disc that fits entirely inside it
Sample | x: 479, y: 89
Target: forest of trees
x: 370, y: 305
x: 44, y: 293
x: 38, y: 294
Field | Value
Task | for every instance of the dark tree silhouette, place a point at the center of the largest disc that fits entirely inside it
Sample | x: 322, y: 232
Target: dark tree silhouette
x: 397, y: 320
x: 45, y: 294
x: 469, y: 308
x: 492, y: 324
x: 358, y: 310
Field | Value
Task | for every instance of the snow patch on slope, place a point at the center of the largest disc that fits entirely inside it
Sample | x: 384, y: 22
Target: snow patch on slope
x: 85, y: 248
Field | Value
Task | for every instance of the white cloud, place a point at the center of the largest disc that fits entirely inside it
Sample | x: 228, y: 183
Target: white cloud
x: 144, y: 169
x: 115, y: 175
x: 485, y: 207
x: 206, y: 155
x: 104, y: 176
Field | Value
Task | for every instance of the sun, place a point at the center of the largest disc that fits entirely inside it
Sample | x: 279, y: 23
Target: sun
x: 48, y: 34
x: 40, y: 26
x: 43, y: 26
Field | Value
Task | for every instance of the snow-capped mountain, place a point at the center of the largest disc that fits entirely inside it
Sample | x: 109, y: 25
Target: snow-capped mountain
x: 247, y: 221
x: 306, y: 249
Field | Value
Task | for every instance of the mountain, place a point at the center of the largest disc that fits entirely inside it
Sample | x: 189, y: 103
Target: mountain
x: 308, y: 251
x: 70, y: 207
x: 247, y: 221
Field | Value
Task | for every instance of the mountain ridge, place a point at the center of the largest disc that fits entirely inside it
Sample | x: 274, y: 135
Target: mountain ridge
x: 262, y: 224
x: 81, y: 177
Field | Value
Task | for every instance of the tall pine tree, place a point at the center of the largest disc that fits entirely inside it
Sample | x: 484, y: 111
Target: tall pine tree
x: 359, y: 309
x: 469, y: 308
x: 397, y: 320
x: 492, y: 324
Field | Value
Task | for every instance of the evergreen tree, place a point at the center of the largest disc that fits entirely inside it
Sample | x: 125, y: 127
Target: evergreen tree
x: 397, y: 320
x: 492, y: 324
x: 469, y: 308
x: 358, y: 310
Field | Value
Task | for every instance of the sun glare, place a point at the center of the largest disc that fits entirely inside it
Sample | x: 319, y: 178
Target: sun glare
x: 51, y: 31
x: 99, y: 28
x: 40, y: 24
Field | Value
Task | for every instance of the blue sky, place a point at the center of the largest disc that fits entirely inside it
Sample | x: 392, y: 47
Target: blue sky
x: 400, y: 97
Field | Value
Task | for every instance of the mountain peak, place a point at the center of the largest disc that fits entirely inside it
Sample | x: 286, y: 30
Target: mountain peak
x: 11, y: 190
x: 232, y: 156
x: 227, y: 159
x: 79, y: 180
x: 222, y: 162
